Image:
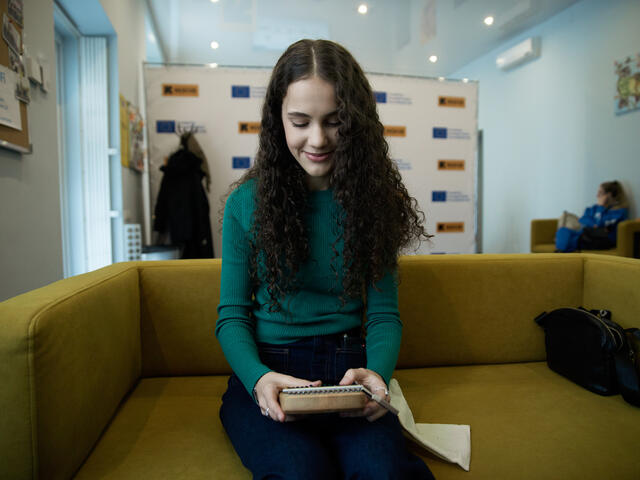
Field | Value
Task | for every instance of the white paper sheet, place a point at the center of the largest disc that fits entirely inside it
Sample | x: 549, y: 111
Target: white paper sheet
x: 9, y: 104
x: 449, y: 442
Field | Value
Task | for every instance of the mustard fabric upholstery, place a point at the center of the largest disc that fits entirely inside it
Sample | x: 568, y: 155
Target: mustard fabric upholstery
x: 526, y: 423
x: 543, y: 232
x: 613, y: 284
x: 168, y: 428
x: 469, y: 309
x: 69, y: 352
x: 178, y: 320
x: 117, y: 373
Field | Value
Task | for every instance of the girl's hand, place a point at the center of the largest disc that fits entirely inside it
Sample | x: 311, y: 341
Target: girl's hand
x: 375, y: 384
x: 268, y: 388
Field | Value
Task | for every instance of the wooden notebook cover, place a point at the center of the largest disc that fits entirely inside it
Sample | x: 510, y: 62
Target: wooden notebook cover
x: 322, y: 402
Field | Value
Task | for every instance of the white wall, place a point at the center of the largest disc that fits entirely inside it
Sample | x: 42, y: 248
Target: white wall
x: 30, y: 226
x: 550, y: 132
x: 127, y: 19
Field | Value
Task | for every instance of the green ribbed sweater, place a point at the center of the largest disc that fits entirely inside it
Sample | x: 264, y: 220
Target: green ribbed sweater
x: 314, y: 309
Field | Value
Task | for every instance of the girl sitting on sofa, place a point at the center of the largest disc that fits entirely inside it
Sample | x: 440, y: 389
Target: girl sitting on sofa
x: 310, y: 241
x: 598, y: 226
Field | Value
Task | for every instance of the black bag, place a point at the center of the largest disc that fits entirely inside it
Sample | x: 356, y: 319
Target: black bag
x: 588, y: 348
x: 595, y: 238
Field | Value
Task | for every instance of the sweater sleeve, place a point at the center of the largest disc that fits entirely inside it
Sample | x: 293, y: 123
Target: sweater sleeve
x: 384, y: 328
x: 235, y: 327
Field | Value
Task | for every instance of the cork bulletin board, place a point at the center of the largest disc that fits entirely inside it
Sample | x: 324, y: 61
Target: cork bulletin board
x: 12, y: 21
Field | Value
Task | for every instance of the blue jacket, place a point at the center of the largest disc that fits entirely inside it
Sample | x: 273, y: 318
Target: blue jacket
x: 594, y: 216
x: 599, y: 216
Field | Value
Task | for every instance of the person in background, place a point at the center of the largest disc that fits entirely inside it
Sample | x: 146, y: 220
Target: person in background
x: 598, y: 226
x: 310, y: 241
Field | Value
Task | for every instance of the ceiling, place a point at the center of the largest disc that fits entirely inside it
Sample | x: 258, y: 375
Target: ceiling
x: 394, y: 36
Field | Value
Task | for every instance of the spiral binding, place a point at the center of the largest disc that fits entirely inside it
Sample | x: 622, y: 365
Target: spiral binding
x: 325, y: 389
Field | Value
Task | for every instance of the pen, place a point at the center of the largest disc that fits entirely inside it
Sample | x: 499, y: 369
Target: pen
x: 380, y: 401
x: 384, y: 403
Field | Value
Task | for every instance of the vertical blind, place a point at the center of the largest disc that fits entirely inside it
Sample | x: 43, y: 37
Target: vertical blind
x: 95, y: 150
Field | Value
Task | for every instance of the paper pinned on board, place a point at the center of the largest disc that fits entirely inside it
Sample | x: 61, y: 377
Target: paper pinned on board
x: 9, y: 104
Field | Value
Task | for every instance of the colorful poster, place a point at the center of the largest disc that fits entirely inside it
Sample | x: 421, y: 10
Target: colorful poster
x: 14, y: 8
x: 627, y: 96
x: 124, y: 132
x: 136, y: 139
x: 11, y: 35
x: 9, y: 104
x: 131, y: 136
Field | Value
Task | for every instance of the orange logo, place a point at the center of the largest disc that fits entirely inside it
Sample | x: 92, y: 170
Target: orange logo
x: 457, y: 102
x: 395, y: 131
x: 248, y: 127
x: 179, y: 90
x: 450, y: 164
x: 452, y: 227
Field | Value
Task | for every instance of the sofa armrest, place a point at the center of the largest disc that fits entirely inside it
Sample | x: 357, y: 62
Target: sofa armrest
x: 627, y: 231
x: 69, y: 353
x: 543, y: 231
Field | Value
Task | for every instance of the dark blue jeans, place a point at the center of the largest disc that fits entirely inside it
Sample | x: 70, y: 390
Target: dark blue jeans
x: 324, y: 446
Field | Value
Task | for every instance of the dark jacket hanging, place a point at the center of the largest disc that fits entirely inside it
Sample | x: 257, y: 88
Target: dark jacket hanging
x: 182, y: 207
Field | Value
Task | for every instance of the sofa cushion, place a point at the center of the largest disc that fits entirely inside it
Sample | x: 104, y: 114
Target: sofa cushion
x: 478, y: 309
x: 544, y: 248
x: 178, y: 318
x: 167, y: 428
x: 526, y: 422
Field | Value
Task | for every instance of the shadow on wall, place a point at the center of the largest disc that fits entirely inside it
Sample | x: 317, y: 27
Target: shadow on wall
x: 633, y: 213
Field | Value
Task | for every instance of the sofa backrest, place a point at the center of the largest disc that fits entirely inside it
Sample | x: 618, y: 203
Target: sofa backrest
x: 476, y: 309
x: 613, y: 283
x: 456, y: 309
x: 178, y: 317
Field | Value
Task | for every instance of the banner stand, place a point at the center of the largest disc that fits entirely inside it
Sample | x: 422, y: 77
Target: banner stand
x: 431, y: 126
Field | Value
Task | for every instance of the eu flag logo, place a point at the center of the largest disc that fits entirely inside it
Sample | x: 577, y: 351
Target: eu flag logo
x: 439, y: 132
x: 241, y: 162
x: 240, y: 91
x: 438, y: 196
x: 381, y: 97
x: 165, y: 126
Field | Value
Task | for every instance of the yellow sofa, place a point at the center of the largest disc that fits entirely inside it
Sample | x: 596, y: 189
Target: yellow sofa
x: 116, y: 374
x: 543, y: 234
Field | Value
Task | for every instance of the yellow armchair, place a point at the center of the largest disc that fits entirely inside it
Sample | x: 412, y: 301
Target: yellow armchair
x: 543, y: 233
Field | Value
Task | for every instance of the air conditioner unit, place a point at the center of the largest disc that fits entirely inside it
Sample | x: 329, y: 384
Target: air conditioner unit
x: 519, y: 54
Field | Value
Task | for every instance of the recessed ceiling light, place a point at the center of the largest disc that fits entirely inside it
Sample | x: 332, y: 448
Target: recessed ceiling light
x: 433, y: 58
x: 214, y: 1
x: 488, y: 21
x: 212, y: 65
x: 214, y: 44
x: 362, y: 8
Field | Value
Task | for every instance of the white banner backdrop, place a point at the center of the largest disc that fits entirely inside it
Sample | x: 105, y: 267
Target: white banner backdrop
x: 430, y: 124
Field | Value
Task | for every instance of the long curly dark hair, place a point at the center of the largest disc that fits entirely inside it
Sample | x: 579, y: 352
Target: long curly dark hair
x: 379, y: 218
